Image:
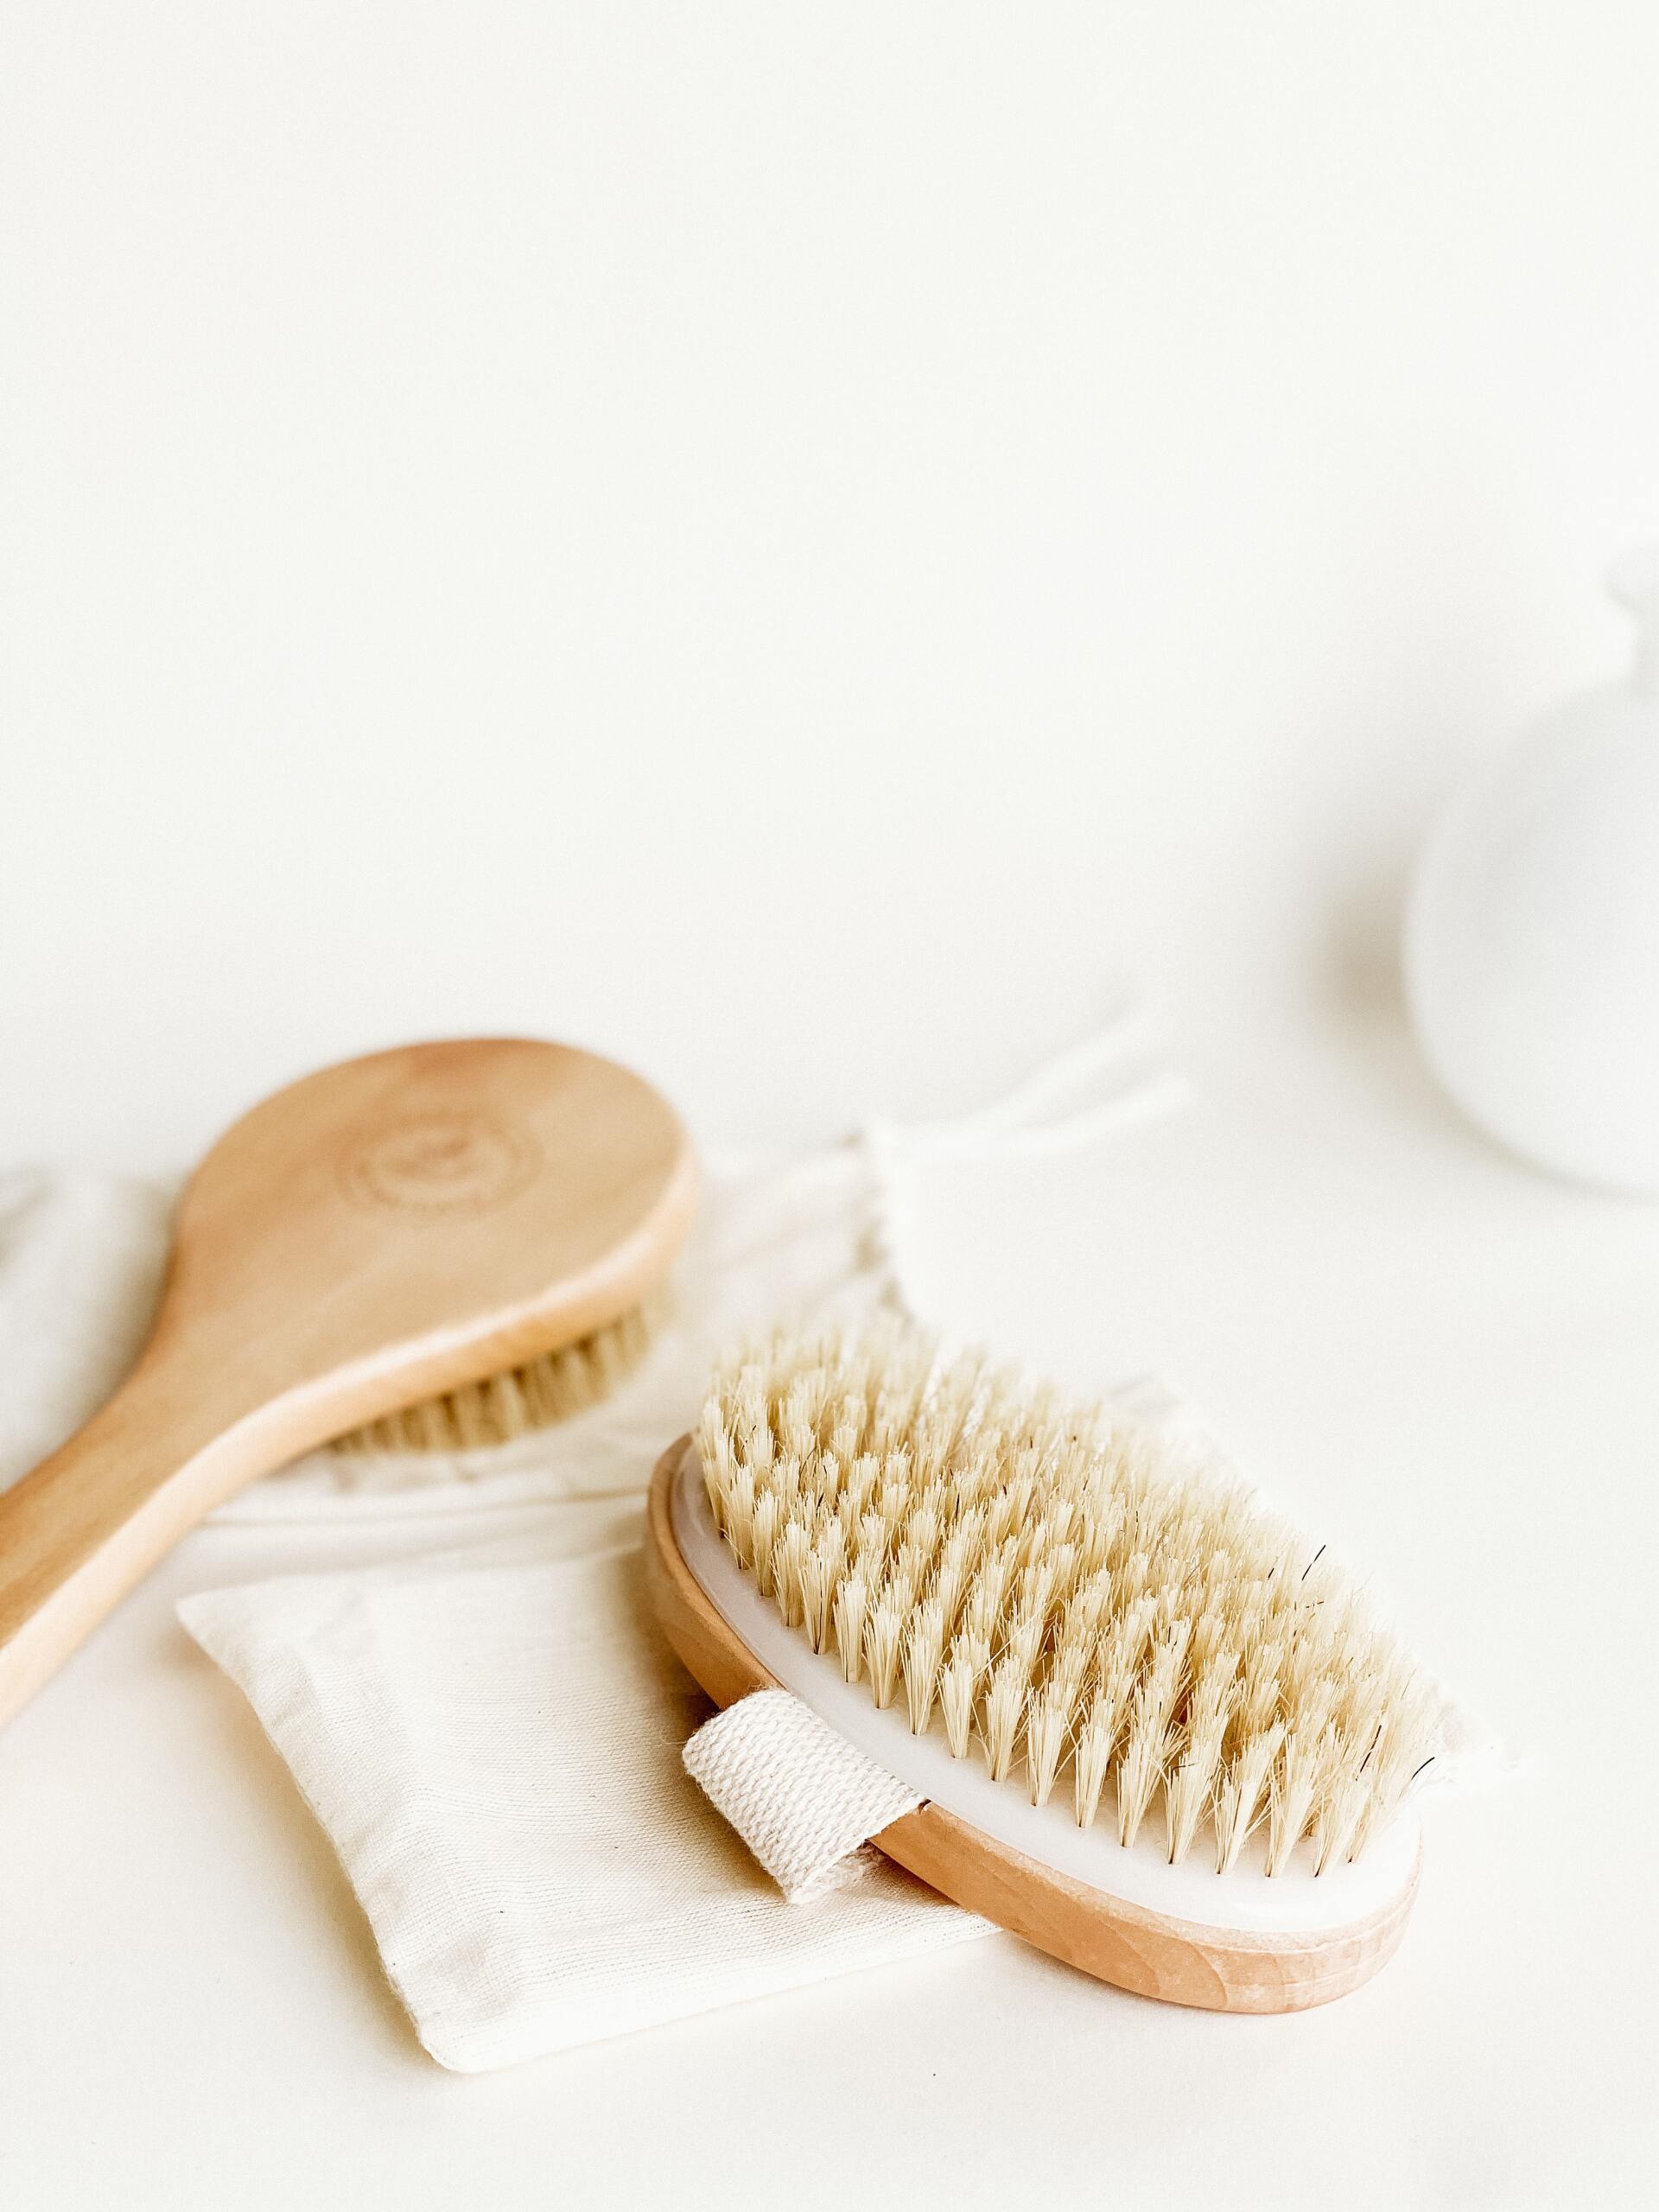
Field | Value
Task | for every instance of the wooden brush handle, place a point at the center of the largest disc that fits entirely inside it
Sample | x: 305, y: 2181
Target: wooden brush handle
x: 80, y: 1530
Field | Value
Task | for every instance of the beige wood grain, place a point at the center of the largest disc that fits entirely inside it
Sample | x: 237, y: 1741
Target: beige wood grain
x: 376, y: 1234
x: 1178, y: 1961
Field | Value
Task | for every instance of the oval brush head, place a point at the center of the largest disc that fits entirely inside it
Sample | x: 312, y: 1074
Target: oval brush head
x: 1157, y: 1731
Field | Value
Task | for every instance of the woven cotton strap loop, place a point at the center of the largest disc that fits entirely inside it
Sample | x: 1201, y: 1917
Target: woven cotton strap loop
x: 801, y: 1796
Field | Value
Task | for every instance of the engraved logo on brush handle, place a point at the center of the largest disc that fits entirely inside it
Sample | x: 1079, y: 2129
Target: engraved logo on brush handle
x: 452, y: 1161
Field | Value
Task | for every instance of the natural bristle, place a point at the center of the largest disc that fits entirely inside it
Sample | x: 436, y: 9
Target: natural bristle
x: 1064, y: 1595
x: 544, y: 1390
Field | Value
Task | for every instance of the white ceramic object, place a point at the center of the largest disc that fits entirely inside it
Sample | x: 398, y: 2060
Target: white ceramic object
x: 1532, y: 931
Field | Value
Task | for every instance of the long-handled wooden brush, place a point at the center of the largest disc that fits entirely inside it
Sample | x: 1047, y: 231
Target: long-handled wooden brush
x: 388, y: 1232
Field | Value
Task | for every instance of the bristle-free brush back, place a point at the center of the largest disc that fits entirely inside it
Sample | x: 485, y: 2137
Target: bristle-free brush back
x: 384, y: 1232
x: 1157, y: 1731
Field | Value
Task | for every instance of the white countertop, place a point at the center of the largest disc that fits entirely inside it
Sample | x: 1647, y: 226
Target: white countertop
x: 1445, y: 1363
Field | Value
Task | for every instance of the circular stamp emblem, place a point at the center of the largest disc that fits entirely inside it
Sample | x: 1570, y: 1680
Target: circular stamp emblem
x: 457, y: 1162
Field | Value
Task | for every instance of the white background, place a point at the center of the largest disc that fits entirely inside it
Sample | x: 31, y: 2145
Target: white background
x: 797, y: 546
x: 788, y: 543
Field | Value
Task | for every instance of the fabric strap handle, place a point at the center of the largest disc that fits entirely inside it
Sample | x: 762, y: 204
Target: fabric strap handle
x: 802, y: 1798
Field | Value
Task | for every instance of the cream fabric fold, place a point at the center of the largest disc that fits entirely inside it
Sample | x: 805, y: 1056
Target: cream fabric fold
x: 493, y: 1741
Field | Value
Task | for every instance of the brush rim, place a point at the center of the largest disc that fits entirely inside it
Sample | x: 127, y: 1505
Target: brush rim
x: 1111, y: 1937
